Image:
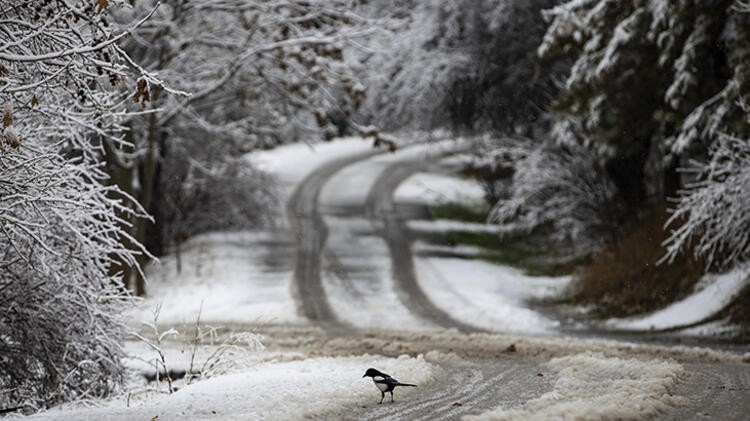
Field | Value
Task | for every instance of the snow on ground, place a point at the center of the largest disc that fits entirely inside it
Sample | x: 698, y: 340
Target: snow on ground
x: 716, y: 293
x: 486, y: 295
x: 227, y: 275
x: 270, y: 391
x: 291, y: 163
x: 357, y: 273
x: 431, y: 188
x: 595, y: 387
x: 447, y: 225
x: 358, y: 281
x: 352, y: 185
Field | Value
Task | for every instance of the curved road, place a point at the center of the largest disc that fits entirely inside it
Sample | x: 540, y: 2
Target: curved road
x: 310, y: 230
x: 380, y: 205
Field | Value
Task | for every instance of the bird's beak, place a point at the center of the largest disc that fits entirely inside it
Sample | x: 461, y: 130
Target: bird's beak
x: 365, y: 375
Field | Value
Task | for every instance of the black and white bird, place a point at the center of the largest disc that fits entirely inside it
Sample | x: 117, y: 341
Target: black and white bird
x: 384, y: 382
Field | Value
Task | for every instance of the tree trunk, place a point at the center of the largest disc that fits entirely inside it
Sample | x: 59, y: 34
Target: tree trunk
x: 121, y: 174
x: 148, y: 182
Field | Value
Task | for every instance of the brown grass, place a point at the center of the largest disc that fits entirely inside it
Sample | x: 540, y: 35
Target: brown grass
x: 625, y: 279
x: 739, y: 313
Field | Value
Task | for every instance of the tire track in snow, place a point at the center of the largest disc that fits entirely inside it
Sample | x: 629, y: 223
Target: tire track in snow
x: 464, y: 390
x: 714, y: 391
x: 311, y: 232
x: 380, y: 205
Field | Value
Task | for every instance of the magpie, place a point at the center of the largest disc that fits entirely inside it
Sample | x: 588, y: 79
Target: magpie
x: 384, y: 382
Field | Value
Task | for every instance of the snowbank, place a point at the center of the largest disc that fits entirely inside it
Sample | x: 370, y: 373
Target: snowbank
x: 595, y: 387
x: 271, y: 391
x: 486, y: 295
x: 227, y: 273
x: 717, y: 292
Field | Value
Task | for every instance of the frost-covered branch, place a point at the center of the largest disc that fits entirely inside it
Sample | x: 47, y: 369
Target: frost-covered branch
x: 63, y: 227
x: 713, y: 215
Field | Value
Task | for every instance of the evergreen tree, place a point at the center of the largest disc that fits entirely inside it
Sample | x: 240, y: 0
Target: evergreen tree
x: 651, y: 80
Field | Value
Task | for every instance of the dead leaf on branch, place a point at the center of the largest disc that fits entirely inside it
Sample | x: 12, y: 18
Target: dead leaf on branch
x: 11, y: 138
x: 142, y: 93
x: 7, y: 116
x: 102, y: 4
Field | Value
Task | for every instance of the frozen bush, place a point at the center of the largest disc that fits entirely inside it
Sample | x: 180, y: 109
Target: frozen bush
x: 561, y: 187
x: 713, y: 214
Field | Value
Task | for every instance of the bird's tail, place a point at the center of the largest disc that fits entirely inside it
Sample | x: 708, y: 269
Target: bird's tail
x: 406, y: 384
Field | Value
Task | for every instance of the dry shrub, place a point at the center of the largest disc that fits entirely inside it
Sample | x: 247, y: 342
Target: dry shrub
x: 625, y: 279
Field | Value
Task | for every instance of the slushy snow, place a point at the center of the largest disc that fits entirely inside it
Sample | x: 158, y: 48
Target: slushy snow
x: 351, y: 186
x: 596, y: 387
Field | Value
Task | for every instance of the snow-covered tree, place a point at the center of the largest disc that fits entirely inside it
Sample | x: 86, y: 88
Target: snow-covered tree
x: 466, y: 64
x: 713, y: 216
x: 651, y: 79
x: 61, y: 226
x: 258, y: 74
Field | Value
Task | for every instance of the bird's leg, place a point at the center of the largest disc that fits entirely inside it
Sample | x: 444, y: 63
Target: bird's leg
x: 382, y: 396
x: 391, y: 396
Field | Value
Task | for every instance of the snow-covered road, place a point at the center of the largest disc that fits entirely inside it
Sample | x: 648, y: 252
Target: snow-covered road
x: 339, y: 287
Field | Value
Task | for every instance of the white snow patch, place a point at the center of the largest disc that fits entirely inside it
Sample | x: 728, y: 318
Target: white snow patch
x: 225, y: 272
x: 352, y: 184
x: 447, y: 225
x: 271, y: 391
x: 291, y: 163
x: 595, y: 387
x: 434, y: 188
x: 486, y: 295
x: 717, y: 293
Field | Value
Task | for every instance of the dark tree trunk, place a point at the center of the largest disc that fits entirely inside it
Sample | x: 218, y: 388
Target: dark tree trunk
x: 121, y: 174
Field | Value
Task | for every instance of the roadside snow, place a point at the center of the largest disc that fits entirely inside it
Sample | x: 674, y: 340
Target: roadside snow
x: 595, y: 387
x: 718, y: 291
x: 486, y: 295
x: 228, y: 274
x: 446, y: 225
x: 271, y: 391
x: 434, y: 188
